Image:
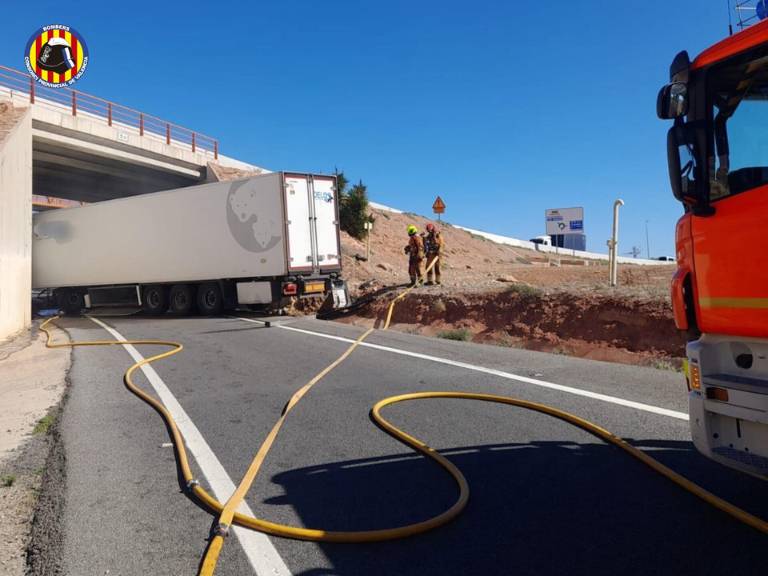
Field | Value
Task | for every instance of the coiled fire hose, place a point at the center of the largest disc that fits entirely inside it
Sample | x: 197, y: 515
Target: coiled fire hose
x: 227, y: 512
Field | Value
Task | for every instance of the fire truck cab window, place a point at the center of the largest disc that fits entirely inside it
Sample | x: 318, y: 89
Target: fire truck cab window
x: 738, y: 127
x: 687, y: 169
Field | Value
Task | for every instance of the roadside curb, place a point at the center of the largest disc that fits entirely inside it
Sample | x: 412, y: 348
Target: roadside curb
x: 45, y: 546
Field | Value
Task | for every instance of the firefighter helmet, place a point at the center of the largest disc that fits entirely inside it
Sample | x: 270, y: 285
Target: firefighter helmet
x: 412, y: 230
x: 56, y: 56
x: 430, y: 227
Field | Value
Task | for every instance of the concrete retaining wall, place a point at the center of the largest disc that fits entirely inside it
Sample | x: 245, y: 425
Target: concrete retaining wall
x: 15, y: 219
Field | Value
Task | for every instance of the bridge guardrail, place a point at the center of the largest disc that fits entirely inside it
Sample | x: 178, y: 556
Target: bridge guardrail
x: 112, y: 113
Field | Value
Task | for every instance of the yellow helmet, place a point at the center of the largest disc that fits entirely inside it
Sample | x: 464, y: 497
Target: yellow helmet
x: 412, y: 230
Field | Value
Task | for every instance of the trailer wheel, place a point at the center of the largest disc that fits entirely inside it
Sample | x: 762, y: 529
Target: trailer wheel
x: 71, y: 301
x: 209, y: 299
x: 155, y: 299
x: 180, y: 299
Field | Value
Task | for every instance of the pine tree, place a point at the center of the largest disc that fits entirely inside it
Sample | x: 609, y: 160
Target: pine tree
x: 341, y: 182
x: 353, y: 210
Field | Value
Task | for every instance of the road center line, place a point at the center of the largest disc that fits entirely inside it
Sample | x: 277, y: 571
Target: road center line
x: 259, y: 550
x: 493, y: 372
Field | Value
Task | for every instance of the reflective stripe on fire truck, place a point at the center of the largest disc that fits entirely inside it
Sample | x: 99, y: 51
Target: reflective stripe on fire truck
x: 705, y: 302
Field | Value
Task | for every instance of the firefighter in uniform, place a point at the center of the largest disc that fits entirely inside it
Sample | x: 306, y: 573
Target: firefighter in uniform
x: 415, y: 251
x: 433, y: 247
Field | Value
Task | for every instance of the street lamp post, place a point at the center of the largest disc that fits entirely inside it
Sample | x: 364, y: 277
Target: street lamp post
x: 647, y: 242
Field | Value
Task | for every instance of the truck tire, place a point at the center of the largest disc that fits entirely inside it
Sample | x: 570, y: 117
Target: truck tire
x: 71, y: 301
x: 155, y: 299
x: 209, y: 299
x: 180, y: 299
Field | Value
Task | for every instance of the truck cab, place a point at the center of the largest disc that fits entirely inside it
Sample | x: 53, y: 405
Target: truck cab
x: 717, y: 152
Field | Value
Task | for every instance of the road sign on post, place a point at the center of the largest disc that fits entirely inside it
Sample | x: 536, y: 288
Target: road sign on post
x: 438, y: 207
x: 564, y: 221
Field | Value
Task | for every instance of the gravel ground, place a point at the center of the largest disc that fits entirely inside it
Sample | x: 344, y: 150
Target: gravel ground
x: 32, y: 381
x: 20, y: 481
x: 32, y: 502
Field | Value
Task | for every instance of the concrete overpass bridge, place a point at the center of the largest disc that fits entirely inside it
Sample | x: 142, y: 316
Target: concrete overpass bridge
x: 62, y: 147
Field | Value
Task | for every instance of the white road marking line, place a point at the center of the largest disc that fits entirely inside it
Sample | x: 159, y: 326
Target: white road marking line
x: 499, y: 373
x: 261, y: 553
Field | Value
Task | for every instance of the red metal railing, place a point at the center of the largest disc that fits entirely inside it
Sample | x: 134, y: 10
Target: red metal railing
x: 53, y: 202
x: 79, y: 103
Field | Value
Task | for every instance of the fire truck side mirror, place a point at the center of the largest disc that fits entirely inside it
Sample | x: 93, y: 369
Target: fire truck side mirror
x: 672, y: 101
x: 682, y: 165
x: 673, y: 162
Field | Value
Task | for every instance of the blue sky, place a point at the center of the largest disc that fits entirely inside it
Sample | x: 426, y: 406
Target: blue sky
x: 503, y: 108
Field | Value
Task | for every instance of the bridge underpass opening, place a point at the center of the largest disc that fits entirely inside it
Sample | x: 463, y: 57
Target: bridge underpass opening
x: 59, y: 171
x: 68, y: 145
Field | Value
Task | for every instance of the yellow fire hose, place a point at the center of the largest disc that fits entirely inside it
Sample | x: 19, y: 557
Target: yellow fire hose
x: 227, y: 512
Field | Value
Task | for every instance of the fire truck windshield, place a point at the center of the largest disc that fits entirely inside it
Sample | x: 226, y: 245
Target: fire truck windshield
x: 738, y: 126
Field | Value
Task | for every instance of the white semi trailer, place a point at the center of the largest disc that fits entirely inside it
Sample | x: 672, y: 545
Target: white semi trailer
x: 209, y: 247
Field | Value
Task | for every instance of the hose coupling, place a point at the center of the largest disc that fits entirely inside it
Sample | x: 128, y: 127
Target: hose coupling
x: 221, y: 530
x: 191, y: 484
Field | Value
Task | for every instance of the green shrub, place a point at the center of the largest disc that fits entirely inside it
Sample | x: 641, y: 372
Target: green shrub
x: 525, y: 290
x: 43, y: 425
x: 667, y: 364
x: 7, y: 480
x: 461, y: 334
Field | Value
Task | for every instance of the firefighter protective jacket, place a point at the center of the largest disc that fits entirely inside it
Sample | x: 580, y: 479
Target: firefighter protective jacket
x: 415, y: 247
x: 433, y: 244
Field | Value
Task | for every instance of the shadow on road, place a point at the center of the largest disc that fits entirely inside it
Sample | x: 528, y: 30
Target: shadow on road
x: 539, y: 508
x: 228, y: 330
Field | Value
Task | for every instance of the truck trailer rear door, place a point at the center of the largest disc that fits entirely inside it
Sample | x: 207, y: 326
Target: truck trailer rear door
x: 326, y: 222
x: 298, y: 223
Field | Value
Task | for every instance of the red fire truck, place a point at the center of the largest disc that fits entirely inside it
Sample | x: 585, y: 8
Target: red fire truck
x: 717, y: 152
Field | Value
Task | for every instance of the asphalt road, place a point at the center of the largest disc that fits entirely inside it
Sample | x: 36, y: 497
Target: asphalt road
x: 546, y: 498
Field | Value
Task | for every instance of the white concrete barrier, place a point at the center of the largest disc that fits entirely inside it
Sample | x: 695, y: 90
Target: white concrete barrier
x: 565, y: 252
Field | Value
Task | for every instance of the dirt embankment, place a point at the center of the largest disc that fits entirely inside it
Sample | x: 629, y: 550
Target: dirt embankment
x: 472, y: 263
x: 9, y: 117
x: 511, y: 296
x: 599, y: 327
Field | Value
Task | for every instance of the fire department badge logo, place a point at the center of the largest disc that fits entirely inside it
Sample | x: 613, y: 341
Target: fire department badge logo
x: 56, y: 56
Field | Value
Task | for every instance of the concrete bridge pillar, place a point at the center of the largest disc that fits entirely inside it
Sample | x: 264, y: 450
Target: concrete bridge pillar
x: 15, y: 218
